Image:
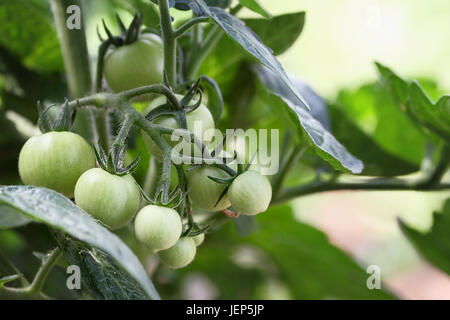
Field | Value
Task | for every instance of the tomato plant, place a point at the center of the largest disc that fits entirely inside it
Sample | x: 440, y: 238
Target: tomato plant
x: 191, y: 132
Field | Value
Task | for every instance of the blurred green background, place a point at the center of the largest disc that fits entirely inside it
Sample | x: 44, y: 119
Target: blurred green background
x: 340, y: 41
x: 336, y: 50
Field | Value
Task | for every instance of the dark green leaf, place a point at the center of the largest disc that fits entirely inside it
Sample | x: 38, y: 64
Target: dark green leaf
x: 269, y: 30
x: 100, y: 275
x: 255, y: 6
x: 434, y: 245
x: 11, y: 218
x: 26, y: 30
x: 372, y: 110
x: 377, y: 162
x: 413, y: 100
x: 246, y: 39
x: 323, y: 142
x: 57, y: 211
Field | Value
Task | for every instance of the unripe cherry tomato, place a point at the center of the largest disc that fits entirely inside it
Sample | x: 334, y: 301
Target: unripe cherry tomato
x: 250, y: 193
x: 135, y: 65
x: 198, y: 239
x: 180, y: 255
x: 158, y: 227
x: 55, y: 160
x: 107, y: 197
x: 205, y: 192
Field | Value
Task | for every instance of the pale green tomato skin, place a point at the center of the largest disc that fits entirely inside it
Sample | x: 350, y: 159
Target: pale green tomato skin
x: 157, y: 227
x: 250, y: 193
x: 180, y: 255
x: 138, y: 64
x: 55, y: 160
x: 198, y: 239
x: 205, y: 192
x: 201, y: 114
x: 107, y: 197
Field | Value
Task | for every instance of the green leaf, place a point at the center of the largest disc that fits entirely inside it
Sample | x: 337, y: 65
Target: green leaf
x: 433, y: 116
x: 246, y: 39
x: 255, y: 6
x: 101, y: 277
x: 372, y: 110
x: 27, y: 31
x: 57, y: 211
x: 149, y: 11
x: 311, y: 266
x: 377, y: 161
x: 322, y: 141
x: 434, y: 246
x: 11, y: 218
x: 413, y: 100
x: 269, y: 30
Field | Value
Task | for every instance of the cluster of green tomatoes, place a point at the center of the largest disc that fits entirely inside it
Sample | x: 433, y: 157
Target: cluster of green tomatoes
x: 65, y: 162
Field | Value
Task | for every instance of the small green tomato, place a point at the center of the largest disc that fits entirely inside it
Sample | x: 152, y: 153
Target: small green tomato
x: 55, y: 160
x: 250, y: 193
x: 180, y: 255
x: 205, y: 192
x: 135, y: 65
x: 107, y: 197
x: 157, y: 227
x: 198, y: 239
x: 200, y: 116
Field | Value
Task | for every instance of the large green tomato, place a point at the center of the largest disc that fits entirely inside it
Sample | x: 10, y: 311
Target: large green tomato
x: 180, y: 255
x: 250, y: 193
x: 205, y: 192
x: 201, y: 116
x: 55, y: 160
x: 107, y: 197
x: 138, y: 64
x: 157, y: 227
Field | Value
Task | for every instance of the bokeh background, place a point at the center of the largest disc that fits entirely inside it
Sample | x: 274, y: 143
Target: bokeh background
x: 336, y: 51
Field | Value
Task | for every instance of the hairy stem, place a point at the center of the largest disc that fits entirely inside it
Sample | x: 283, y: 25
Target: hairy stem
x: 170, y: 44
x: 188, y: 25
x: 375, y: 185
x: 43, y: 272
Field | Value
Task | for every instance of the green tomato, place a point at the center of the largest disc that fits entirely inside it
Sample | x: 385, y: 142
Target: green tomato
x: 201, y: 115
x: 250, y: 193
x: 205, y: 192
x: 55, y: 160
x: 180, y: 255
x: 135, y: 65
x: 107, y: 197
x: 198, y: 239
x: 157, y: 227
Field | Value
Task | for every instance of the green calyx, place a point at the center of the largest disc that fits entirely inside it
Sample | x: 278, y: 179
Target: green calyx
x: 127, y: 36
x: 62, y: 122
x: 174, y: 199
x: 113, y: 162
x: 179, y: 110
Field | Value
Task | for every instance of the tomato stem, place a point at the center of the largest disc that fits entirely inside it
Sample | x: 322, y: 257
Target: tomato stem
x: 170, y: 44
